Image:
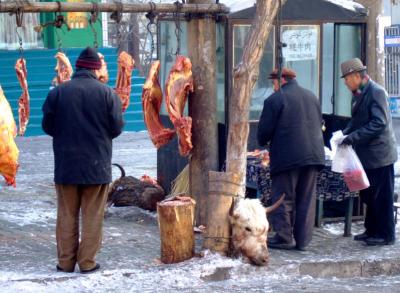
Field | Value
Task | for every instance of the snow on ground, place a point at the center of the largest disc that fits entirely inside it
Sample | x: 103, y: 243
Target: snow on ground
x: 131, y: 246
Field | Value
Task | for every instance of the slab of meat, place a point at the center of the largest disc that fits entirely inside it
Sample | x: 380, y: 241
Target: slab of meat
x: 23, y: 102
x: 102, y: 73
x: 8, y: 149
x: 123, y: 83
x: 151, y: 101
x: 63, y: 69
x: 177, y: 88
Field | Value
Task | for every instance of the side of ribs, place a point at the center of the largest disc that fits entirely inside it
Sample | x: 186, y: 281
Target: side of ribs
x: 23, y: 102
x: 63, y: 69
x: 124, y: 75
x: 8, y: 149
x: 178, y: 86
x: 151, y: 101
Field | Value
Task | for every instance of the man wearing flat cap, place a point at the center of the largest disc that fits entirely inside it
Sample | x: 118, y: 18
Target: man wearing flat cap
x: 291, y: 123
x: 83, y: 116
x: 371, y: 134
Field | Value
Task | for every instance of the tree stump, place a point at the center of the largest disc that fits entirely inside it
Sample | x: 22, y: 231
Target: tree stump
x: 175, y: 220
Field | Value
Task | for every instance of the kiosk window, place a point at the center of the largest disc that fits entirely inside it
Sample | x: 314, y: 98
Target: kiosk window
x: 302, y: 53
x: 347, y: 46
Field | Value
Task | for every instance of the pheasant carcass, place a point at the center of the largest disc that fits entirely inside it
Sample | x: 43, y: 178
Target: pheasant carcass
x: 63, y: 69
x: 102, y: 73
x: 8, y: 149
x: 178, y: 86
x: 151, y: 101
x: 23, y: 102
x: 123, y: 83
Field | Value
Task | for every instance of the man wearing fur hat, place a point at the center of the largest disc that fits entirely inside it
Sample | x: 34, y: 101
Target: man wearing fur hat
x: 291, y: 122
x: 371, y: 134
x: 83, y: 116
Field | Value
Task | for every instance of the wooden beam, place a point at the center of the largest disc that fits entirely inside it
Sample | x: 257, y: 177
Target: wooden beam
x: 203, y: 108
x: 28, y: 7
x: 245, y: 76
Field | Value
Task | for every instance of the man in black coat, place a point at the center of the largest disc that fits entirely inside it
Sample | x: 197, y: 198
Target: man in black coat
x: 370, y: 132
x: 291, y: 123
x: 83, y: 116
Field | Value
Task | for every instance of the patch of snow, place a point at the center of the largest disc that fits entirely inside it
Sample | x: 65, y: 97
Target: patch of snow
x: 347, y: 4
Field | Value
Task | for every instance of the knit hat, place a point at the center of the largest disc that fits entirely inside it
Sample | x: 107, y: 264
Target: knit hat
x: 351, y: 66
x: 88, y: 59
x: 286, y: 72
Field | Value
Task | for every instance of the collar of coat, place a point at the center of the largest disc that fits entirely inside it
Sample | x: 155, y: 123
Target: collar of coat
x: 357, y: 98
x: 84, y: 73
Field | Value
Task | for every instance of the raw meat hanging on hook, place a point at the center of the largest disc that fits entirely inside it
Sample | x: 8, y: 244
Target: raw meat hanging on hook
x: 23, y: 102
x: 63, y: 69
x: 102, y: 73
x: 8, y: 149
x: 151, y: 101
x: 123, y: 83
x: 179, y: 85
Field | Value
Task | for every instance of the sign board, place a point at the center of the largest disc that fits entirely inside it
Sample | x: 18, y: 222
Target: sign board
x: 392, y: 41
x: 302, y: 44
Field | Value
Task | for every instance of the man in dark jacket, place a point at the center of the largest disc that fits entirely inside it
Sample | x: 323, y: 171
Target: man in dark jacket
x: 83, y: 116
x: 291, y: 122
x: 370, y: 132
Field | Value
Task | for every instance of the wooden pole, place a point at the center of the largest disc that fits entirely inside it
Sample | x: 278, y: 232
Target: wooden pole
x: 245, y: 76
x: 375, y: 47
x: 27, y: 6
x: 203, y: 108
x: 175, y: 219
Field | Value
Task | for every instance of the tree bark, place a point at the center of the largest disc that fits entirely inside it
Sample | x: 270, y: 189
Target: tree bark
x: 175, y: 218
x: 109, y: 7
x: 203, y: 109
x: 245, y: 77
x: 375, y: 45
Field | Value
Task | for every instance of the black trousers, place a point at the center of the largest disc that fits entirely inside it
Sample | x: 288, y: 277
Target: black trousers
x: 379, y: 220
x: 296, y: 216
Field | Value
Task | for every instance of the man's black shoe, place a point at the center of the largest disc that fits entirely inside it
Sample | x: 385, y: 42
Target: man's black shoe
x: 61, y: 270
x: 361, y: 237
x: 301, y: 248
x: 374, y: 241
x: 96, y: 267
x: 278, y: 243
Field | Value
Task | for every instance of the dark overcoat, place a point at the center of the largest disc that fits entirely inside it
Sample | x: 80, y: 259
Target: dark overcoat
x: 291, y: 122
x: 83, y: 116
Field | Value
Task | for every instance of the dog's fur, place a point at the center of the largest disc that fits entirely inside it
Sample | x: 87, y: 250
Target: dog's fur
x: 130, y: 191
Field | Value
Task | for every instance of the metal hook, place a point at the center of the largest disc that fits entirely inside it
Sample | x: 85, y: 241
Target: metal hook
x: 93, y: 19
x: 117, y: 17
x: 151, y: 16
x: 21, y: 49
x: 178, y: 29
x: 59, y: 41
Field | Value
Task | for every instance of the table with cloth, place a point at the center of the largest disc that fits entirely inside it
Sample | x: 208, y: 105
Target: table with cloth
x: 330, y: 187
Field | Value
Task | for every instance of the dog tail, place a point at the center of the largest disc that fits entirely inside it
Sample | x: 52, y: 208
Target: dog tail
x: 121, y: 169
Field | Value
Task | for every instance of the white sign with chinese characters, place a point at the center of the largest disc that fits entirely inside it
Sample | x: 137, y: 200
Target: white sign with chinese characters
x: 302, y: 44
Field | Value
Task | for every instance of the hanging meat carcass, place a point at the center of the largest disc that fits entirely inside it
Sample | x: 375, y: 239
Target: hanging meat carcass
x: 151, y: 101
x: 102, y: 73
x: 63, y: 69
x: 178, y: 86
x: 8, y: 149
x: 123, y: 83
x: 23, y: 102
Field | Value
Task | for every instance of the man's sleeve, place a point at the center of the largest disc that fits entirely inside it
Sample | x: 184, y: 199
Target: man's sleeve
x: 48, y: 109
x: 267, y: 123
x: 115, y: 115
x: 377, y: 123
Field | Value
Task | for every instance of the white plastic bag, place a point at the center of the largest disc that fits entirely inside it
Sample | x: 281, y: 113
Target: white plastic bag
x: 347, y: 162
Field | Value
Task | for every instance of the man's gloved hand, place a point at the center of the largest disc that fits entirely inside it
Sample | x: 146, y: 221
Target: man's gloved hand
x: 347, y: 141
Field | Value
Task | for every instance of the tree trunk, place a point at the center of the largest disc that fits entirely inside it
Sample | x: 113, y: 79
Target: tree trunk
x: 175, y: 219
x: 375, y: 41
x: 134, y: 42
x: 203, y: 109
x: 245, y: 77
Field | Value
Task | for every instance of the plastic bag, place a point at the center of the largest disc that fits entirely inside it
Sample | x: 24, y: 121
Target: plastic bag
x: 8, y: 149
x: 347, y: 162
